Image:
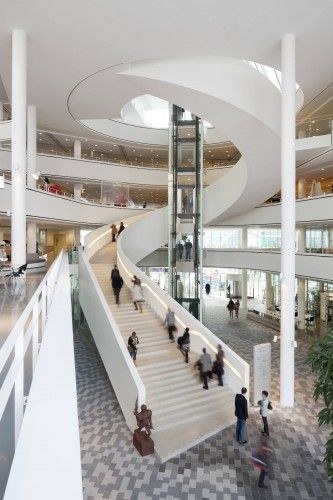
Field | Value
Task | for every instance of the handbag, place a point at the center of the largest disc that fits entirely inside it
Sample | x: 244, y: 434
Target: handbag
x: 270, y: 407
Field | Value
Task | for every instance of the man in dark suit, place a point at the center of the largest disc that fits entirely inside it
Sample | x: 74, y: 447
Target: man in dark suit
x: 242, y: 415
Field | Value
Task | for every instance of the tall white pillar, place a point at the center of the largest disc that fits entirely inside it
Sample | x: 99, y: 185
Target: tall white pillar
x: 19, y: 131
x: 31, y: 237
x: 77, y: 233
x: 301, y: 188
x: 77, y: 148
x: 301, y: 248
x: 269, y: 292
x: 244, y: 271
x: 287, y: 220
x: 31, y: 146
x: 77, y: 191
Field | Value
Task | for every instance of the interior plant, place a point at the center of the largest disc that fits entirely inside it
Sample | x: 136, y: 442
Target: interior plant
x: 320, y: 359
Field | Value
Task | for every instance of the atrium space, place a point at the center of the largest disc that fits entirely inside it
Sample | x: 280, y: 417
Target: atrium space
x: 166, y: 250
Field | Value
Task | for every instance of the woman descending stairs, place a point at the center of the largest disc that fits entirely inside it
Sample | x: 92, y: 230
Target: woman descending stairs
x: 183, y: 413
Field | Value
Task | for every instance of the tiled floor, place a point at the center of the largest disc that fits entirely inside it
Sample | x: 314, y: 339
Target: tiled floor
x: 215, y: 469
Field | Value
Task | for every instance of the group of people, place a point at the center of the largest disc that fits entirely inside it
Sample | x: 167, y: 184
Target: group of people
x: 187, y: 246
x: 208, y: 368
x: 233, y: 307
x: 116, y: 232
x: 260, y: 457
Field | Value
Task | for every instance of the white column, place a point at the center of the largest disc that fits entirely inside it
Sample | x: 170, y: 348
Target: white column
x: 77, y: 232
x: 19, y: 131
x: 77, y: 148
x: 31, y: 146
x: 301, y: 188
x: 31, y: 237
x: 301, y: 247
x: 77, y: 191
x: 244, y: 271
x: 287, y: 221
x: 269, y: 292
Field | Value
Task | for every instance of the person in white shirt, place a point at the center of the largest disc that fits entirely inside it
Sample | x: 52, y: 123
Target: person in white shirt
x: 264, y: 412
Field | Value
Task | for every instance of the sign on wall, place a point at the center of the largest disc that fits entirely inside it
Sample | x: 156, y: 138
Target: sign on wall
x: 261, y: 370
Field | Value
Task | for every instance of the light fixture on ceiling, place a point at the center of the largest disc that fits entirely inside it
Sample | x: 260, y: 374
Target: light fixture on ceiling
x: 36, y: 175
x: 96, y: 145
x: 40, y: 133
x: 322, y: 169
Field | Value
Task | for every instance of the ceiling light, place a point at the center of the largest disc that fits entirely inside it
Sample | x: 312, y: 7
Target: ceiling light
x: 96, y: 145
x: 313, y: 121
x: 317, y: 129
x: 322, y: 169
x: 66, y: 140
x: 40, y: 133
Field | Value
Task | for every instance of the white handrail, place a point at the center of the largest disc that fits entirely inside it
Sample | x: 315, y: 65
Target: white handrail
x: 19, y: 339
x: 49, y: 441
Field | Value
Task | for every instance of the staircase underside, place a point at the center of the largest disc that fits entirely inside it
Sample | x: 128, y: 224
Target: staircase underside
x: 183, y: 413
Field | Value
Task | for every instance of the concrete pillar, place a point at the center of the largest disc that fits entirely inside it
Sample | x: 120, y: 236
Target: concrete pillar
x: 19, y: 132
x: 244, y: 271
x: 77, y: 191
x: 77, y: 148
x: 31, y: 237
x: 301, y: 303
x: 301, y: 188
x: 77, y: 232
x: 301, y: 239
x: 269, y: 292
x: 31, y: 146
x: 288, y: 205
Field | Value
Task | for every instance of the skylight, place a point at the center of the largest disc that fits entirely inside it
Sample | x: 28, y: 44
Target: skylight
x: 149, y: 111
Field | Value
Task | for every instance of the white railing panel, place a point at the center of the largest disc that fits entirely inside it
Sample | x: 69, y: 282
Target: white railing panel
x: 122, y: 373
x: 47, y: 461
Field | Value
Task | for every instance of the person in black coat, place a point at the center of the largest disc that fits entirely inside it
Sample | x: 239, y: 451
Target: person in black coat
x: 121, y: 228
x: 117, y: 283
x: 242, y: 415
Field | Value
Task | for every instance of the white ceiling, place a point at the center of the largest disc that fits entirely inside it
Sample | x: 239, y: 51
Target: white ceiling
x: 71, y: 40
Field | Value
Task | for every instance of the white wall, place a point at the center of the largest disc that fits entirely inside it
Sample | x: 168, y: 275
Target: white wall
x: 319, y: 208
x: 88, y: 169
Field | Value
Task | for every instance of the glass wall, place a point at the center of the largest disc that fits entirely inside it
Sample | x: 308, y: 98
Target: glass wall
x: 264, y: 238
x: 222, y: 238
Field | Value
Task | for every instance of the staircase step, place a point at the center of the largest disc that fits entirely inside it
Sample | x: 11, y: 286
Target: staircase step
x: 202, y: 397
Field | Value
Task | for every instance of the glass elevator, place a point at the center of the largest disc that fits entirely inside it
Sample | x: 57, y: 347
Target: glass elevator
x: 185, y: 191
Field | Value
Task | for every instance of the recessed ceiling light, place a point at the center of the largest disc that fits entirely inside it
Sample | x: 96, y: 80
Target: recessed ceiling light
x: 313, y: 121
x: 96, y: 145
x: 40, y: 133
x: 322, y: 169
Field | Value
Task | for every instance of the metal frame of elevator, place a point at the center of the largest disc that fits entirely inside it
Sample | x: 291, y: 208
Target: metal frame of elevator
x: 185, y: 191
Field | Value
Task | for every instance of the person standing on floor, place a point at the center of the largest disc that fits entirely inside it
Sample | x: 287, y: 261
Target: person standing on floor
x: 170, y: 323
x: 113, y: 232
x: 219, y: 364
x: 188, y: 250
x: 137, y: 294
x: 206, y: 366
x: 207, y: 288
x: 184, y: 343
x: 265, y: 405
x: 180, y: 250
x: 132, y: 345
x: 121, y: 228
x: 242, y: 415
x: 231, y: 307
x: 117, y: 283
x: 236, y: 307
